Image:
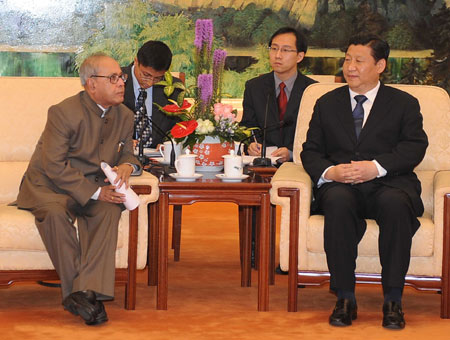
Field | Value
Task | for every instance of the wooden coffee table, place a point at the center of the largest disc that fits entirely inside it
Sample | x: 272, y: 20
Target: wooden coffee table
x: 249, y: 193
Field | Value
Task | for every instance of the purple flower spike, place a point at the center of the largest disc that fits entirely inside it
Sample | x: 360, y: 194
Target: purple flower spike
x: 204, y: 83
x: 203, y: 33
x: 219, y: 57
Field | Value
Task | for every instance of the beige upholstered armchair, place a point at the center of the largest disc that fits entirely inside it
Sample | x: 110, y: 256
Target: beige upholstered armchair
x: 23, y: 257
x: 301, y: 235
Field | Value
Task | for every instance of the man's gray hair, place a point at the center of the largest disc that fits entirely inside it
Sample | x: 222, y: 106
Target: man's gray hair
x: 89, y: 67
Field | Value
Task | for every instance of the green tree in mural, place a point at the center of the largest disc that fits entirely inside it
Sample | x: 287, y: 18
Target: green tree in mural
x: 178, y: 33
x: 401, y: 37
x: 413, y: 73
x: 333, y: 29
x: 244, y: 23
x: 128, y: 25
x: 368, y: 20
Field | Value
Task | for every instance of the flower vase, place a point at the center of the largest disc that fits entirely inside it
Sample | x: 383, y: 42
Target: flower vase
x: 209, y: 154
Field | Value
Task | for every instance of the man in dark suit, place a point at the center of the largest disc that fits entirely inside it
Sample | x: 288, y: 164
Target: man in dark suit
x: 152, y: 61
x: 363, y: 143
x: 64, y: 183
x: 281, y: 90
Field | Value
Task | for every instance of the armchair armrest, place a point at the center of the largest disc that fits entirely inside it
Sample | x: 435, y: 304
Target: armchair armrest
x: 441, y: 187
x: 146, y: 179
x: 291, y: 175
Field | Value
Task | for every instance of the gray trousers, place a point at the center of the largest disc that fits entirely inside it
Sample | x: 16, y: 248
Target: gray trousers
x: 87, y: 261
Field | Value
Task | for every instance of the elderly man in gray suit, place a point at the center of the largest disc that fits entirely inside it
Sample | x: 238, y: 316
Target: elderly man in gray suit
x: 64, y: 183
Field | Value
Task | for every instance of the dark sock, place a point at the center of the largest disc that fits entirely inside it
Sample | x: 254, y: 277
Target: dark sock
x: 393, y: 294
x: 346, y: 294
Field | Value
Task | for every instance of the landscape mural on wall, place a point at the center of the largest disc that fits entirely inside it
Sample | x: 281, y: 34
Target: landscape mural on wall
x: 49, y: 38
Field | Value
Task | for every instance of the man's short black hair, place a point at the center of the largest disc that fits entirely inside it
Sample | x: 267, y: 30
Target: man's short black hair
x: 301, y: 43
x: 380, y: 48
x: 155, y: 54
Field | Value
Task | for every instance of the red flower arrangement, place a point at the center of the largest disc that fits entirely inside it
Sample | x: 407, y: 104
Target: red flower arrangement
x: 175, y: 109
x: 183, y: 129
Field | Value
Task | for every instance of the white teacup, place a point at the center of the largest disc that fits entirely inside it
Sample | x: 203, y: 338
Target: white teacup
x: 166, y: 148
x: 233, y: 166
x: 185, y: 165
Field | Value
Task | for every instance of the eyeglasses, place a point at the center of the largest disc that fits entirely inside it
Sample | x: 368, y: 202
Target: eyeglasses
x: 283, y: 50
x: 149, y: 77
x: 114, y: 78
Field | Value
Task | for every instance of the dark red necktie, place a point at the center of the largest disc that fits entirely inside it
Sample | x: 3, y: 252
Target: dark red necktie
x: 282, y: 101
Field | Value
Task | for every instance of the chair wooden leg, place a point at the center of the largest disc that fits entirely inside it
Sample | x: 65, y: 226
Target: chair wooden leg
x: 445, y: 289
x: 294, y: 195
x: 176, y: 232
x: 130, y: 288
x: 152, y: 253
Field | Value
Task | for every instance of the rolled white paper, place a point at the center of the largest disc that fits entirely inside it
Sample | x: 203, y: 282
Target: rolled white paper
x: 131, y: 198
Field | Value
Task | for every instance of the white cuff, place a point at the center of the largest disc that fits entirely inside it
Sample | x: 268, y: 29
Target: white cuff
x: 96, y: 194
x: 322, y: 178
x: 381, y: 171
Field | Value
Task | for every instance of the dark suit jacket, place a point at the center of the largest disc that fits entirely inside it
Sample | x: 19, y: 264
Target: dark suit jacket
x: 393, y: 135
x: 159, y: 118
x: 68, y: 154
x: 262, y: 89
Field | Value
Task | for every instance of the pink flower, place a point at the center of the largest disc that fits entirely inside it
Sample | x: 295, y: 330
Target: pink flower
x: 223, y: 111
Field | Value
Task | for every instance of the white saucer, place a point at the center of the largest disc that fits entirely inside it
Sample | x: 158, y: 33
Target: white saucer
x: 231, y: 179
x: 180, y: 178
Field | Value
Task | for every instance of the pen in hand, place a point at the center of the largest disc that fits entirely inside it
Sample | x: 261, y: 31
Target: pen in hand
x: 256, y: 141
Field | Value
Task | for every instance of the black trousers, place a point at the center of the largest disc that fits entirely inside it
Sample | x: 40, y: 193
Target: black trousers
x: 345, y: 207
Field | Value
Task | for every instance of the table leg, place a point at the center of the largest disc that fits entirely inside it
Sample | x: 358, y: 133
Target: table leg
x: 255, y: 224
x: 176, y: 232
x: 152, y: 250
x: 264, y: 248
x: 163, y: 251
x: 245, y: 236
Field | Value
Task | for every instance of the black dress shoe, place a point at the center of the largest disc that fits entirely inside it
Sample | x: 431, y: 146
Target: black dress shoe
x: 101, y: 314
x: 393, y: 316
x: 344, y: 312
x: 85, y: 305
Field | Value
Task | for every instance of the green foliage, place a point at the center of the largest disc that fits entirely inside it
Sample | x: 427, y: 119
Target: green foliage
x: 367, y: 20
x: 234, y: 82
x: 401, y: 37
x: 177, y: 31
x: 333, y: 29
x: 264, y: 31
